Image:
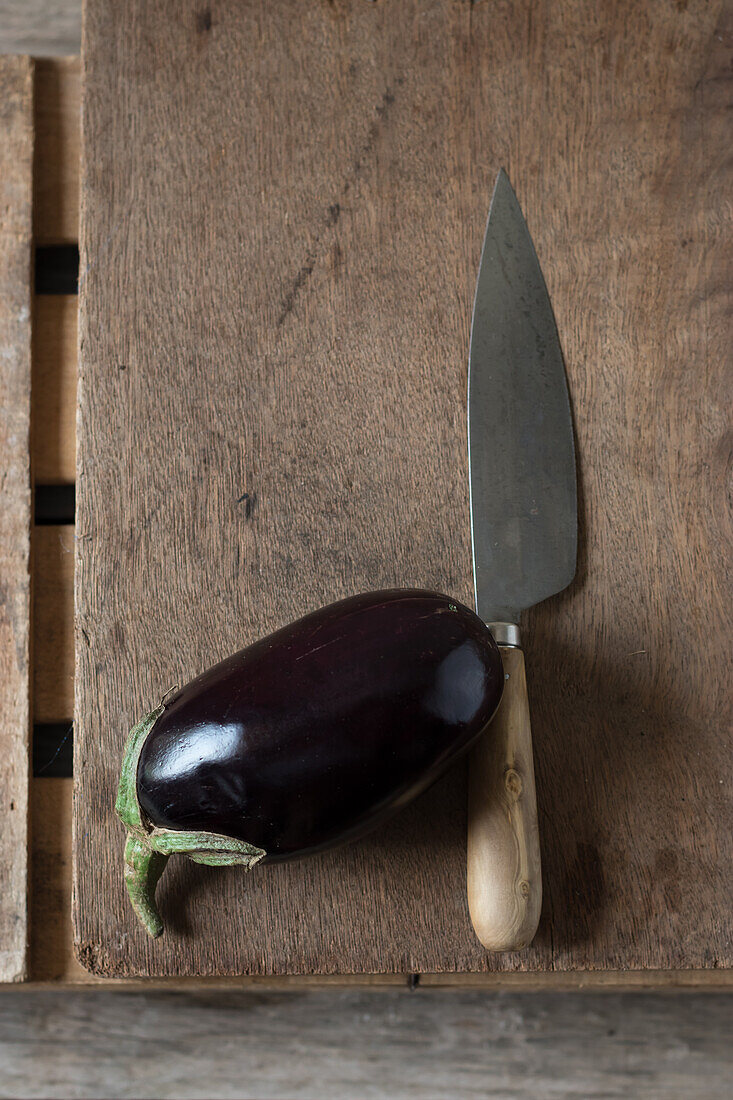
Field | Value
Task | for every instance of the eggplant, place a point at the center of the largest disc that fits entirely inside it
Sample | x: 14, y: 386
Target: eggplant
x: 309, y: 738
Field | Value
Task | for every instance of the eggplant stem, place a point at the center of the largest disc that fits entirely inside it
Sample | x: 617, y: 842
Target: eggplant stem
x: 203, y: 845
x: 143, y: 868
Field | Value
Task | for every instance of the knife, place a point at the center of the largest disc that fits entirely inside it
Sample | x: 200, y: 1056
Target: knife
x: 524, y: 533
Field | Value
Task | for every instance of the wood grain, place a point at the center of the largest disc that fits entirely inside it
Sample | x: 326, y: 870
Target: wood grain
x: 282, y: 218
x: 56, y: 169
x: 54, y: 389
x: 355, y: 1045
x: 504, y: 873
x: 16, y: 175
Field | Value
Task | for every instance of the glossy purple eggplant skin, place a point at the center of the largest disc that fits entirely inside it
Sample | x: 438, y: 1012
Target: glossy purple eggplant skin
x: 319, y: 732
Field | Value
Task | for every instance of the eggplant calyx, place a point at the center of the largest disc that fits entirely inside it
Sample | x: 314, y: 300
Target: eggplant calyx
x: 213, y: 849
x: 127, y: 806
x: 147, y: 848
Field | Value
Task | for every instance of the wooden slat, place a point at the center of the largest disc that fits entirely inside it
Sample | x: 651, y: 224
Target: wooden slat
x: 53, y: 623
x: 56, y: 171
x: 356, y: 1045
x: 16, y: 163
x: 54, y: 389
x: 286, y: 315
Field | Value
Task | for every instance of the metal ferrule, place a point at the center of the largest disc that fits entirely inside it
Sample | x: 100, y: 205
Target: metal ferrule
x: 505, y: 634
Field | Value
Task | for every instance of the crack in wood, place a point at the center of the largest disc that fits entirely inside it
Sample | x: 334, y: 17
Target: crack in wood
x: 333, y: 211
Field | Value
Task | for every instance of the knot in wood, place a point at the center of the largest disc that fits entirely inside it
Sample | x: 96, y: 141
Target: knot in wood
x: 513, y: 783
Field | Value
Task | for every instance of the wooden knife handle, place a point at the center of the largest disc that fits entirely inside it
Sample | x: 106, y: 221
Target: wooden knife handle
x: 504, y: 876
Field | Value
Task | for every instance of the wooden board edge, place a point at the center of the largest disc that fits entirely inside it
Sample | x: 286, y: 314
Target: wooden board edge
x: 592, y: 981
x: 16, y: 267
x: 612, y: 981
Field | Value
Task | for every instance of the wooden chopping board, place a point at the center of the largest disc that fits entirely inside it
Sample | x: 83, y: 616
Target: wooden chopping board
x: 282, y: 212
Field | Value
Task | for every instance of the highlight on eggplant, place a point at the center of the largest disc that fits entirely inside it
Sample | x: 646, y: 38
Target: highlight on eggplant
x: 306, y: 739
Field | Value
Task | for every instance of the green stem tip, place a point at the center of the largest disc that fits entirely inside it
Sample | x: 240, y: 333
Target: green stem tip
x: 143, y: 868
x: 148, y: 849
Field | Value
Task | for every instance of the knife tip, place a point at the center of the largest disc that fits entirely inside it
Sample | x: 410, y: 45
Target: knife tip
x: 502, y: 180
x: 504, y: 194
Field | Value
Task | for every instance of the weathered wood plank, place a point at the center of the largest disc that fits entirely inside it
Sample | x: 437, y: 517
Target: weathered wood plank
x: 40, y: 28
x: 357, y: 1045
x: 277, y: 290
x: 54, y: 389
x: 56, y: 171
x: 16, y: 166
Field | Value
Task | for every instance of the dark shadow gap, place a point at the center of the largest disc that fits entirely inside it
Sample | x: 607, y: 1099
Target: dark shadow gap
x: 54, y: 504
x: 53, y: 750
x: 57, y: 269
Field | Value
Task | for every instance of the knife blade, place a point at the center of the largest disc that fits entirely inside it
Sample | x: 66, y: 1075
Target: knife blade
x: 524, y: 535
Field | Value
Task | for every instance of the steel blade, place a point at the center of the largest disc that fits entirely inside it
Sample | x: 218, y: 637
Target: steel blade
x: 521, y: 450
